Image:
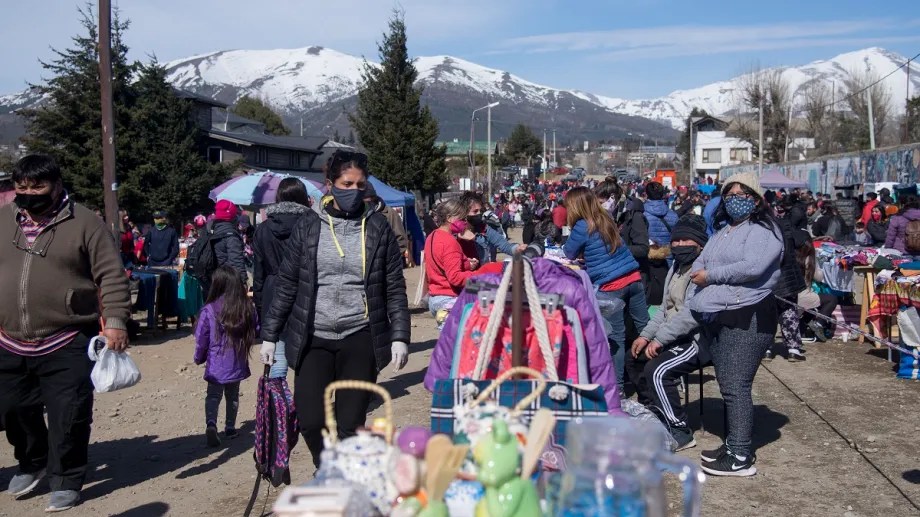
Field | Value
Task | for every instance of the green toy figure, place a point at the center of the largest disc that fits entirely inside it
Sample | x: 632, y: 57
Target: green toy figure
x: 507, y: 495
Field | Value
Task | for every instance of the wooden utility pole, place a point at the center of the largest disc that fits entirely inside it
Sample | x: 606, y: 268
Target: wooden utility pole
x: 109, y: 183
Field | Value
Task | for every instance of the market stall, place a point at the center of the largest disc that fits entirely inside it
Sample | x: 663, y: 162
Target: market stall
x: 525, y: 414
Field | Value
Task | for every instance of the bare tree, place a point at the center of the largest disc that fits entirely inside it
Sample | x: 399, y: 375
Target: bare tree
x: 766, y: 89
x: 818, y: 114
x: 857, y: 82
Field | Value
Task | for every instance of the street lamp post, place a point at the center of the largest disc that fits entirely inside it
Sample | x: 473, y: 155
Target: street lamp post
x: 760, y: 123
x: 472, y: 155
x: 544, y: 155
x: 869, y: 102
x: 489, y: 140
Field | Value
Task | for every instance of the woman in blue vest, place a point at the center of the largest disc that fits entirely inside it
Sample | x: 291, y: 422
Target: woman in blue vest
x: 612, y: 268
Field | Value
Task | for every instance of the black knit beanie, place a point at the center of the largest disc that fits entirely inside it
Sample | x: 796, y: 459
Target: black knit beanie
x: 691, y: 227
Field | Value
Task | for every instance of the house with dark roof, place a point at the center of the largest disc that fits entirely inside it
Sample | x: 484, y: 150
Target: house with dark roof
x: 229, y: 138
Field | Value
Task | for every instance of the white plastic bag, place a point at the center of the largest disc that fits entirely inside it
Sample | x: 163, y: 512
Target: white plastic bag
x: 113, y: 370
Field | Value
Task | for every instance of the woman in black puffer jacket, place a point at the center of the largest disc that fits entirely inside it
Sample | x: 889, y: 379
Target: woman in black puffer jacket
x: 341, y: 295
x: 269, y: 250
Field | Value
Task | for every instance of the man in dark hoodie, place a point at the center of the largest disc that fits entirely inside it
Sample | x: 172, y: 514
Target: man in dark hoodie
x: 161, y: 243
x: 269, y: 250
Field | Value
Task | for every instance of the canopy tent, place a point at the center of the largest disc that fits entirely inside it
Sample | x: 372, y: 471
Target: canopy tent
x: 776, y: 180
x: 406, y: 201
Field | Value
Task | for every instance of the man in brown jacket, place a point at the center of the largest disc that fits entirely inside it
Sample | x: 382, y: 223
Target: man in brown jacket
x: 59, y: 262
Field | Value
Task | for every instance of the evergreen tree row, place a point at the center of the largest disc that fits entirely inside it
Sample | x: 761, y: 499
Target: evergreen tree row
x: 398, y: 133
x: 159, y: 159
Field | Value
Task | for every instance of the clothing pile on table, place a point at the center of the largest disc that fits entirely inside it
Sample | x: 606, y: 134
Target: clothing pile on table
x: 837, y: 262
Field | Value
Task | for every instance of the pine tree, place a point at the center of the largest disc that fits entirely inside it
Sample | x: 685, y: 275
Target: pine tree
x: 397, y: 132
x: 351, y: 138
x: 684, y: 144
x: 254, y: 109
x: 523, y: 145
x: 336, y: 137
x: 172, y: 174
x: 67, y: 124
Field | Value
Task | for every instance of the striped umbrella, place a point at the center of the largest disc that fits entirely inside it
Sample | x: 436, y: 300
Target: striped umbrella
x: 259, y: 188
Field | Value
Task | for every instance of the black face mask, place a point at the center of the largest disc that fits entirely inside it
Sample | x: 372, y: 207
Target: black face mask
x: 35, y: 203
x: 474, y: 220
x: 685, y: 255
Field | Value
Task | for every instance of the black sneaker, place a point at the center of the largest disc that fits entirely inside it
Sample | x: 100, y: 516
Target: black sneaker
x: 231, y: 433
x: 818, y: 330
x: 768, y: 356
x: 684, y: 437
x: 730, y: 465
x: 713, y: 455
x: 795, y: 355
x: 211, y: 435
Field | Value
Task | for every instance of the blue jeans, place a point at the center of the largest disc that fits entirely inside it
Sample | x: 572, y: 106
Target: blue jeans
x: 613, y: 304
x: 280, y: 366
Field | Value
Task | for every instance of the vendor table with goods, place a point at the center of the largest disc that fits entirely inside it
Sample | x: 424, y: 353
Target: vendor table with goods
x: 521, y: 422
x: 158, y: 294
x: 854, y: 270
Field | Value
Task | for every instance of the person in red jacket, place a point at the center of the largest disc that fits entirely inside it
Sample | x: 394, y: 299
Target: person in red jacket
x: 450, y: 258
x: 560, y: 216
x: 871, y: 202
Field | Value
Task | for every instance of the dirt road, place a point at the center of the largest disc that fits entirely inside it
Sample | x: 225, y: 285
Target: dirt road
x: 836, y: 435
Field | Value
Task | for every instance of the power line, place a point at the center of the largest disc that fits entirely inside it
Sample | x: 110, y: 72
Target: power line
x: 863, y: 90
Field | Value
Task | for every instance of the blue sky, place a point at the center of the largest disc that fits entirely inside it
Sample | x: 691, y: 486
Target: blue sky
x: 629, y: 49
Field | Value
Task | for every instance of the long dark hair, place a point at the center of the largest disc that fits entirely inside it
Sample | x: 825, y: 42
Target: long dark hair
x: 237, y: 316
x: 292, y: 189
x: 805, y: 256
x: 762, y: 214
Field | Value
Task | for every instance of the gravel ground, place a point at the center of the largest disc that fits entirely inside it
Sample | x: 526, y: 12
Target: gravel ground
x: 836, y: 435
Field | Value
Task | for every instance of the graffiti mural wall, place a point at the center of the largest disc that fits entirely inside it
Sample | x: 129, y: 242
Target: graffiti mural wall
x: 897, y: 164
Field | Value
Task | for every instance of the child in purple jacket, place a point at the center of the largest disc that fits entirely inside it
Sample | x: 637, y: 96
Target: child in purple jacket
x: 227, y: 328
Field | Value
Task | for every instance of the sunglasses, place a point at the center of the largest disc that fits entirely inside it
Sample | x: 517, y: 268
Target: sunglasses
x: 41, y: 252
x: 339, y: 158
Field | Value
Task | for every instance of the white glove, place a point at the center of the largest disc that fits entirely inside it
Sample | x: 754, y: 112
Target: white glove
x: 267, y: 353
x: 400, y: 352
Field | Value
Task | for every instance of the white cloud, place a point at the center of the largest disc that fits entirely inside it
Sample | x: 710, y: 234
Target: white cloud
x: 693, y: 40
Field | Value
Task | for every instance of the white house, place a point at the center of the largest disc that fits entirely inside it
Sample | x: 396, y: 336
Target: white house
x: 713, y: 149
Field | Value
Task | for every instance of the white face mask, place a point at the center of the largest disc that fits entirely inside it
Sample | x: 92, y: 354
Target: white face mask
x: 607, y: 204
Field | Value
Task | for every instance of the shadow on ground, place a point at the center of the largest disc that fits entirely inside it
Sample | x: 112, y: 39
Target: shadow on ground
x: 127, y: 462
x: 145, y: 510
x: 767, y: 423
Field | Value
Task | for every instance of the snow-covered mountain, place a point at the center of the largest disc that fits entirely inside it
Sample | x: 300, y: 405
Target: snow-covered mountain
x: 718, y: 97
x: 319, y: 85
x: 300, y: 79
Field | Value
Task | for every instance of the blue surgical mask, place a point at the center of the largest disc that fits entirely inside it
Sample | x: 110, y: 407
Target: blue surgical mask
x: 739, y: 208
x: 350, y: 201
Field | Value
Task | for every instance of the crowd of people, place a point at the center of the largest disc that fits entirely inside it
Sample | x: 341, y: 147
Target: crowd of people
x: 716, y: 263
x: 683, y: 278
x: 68, y: 275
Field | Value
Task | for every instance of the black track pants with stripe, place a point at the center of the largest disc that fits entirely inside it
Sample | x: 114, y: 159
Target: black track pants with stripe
x: 662, y: 376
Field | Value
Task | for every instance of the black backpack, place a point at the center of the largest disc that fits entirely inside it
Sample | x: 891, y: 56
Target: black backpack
x: 201, y: 259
